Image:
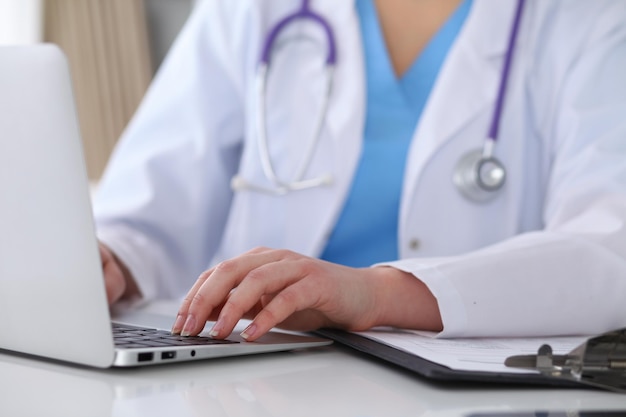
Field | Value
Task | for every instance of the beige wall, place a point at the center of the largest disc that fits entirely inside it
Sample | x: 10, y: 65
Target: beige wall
x: 114, y: 48
x: 107, y: 47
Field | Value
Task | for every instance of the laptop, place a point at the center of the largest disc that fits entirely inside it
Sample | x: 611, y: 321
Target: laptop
x: 52, y: 295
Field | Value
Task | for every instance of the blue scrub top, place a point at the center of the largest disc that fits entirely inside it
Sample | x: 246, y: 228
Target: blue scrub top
x: 367, y: 229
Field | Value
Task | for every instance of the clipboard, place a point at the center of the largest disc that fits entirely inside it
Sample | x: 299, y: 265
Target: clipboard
x: 599, y: 362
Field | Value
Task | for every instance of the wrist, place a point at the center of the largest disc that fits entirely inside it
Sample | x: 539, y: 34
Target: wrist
x: 404, y: 301
x: 131, y: 290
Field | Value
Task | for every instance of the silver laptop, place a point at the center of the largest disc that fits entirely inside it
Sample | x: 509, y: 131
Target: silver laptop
x: 52, y: 296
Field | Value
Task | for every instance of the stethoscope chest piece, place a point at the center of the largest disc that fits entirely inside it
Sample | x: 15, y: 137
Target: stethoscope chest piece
x: 479, y: 177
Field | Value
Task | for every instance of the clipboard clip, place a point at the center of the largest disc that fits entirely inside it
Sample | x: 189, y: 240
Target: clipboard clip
x: 599, y: 362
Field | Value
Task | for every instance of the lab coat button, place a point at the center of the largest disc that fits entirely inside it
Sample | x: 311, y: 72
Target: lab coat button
x: 414, y: 244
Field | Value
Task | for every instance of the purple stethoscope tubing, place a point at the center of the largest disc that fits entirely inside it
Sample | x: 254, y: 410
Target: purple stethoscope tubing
x: 280, y: 186
x: 495, y: 122
x: 478, y: 174
x: 303, y: 13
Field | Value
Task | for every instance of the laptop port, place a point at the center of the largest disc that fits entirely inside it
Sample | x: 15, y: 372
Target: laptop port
x: 145, y: 357
x: 168, y: 355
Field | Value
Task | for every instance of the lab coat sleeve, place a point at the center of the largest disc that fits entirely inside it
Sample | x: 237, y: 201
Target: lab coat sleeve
x: 570, y: 277
x: 163, y: 200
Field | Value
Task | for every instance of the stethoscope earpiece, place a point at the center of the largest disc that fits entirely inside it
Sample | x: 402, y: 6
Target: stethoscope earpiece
x: 478, y: 177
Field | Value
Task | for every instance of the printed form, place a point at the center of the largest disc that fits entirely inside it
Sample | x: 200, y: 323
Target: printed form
x: 480, y: 354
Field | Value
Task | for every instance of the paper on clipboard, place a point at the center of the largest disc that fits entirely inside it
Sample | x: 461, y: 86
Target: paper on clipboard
x: 470, y: 354
x: 598, y: 361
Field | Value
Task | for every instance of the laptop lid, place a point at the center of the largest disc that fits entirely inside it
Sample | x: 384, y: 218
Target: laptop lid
x: 52, y: 294
x: 51, y: 282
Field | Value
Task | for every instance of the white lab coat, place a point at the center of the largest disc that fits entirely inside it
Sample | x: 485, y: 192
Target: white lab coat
x: 546, y: 256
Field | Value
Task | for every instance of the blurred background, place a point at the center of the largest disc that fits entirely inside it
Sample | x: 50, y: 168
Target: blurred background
x: 114, y: 48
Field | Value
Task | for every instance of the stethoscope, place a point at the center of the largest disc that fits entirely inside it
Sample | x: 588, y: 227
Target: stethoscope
x: 478, y: 175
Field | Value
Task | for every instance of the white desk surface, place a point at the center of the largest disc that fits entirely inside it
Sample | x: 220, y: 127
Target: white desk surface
x: 329, y: 381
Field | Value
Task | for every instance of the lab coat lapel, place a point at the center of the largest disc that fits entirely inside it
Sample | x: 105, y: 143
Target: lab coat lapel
x: 346, y: 114
x: 466, y: 86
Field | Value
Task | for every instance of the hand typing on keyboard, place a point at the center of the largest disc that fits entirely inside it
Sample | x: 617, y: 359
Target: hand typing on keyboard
x: 283, y: 288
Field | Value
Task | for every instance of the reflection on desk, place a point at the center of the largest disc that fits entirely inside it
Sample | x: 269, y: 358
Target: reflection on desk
x: 331, y: 381
x: 327, y: 381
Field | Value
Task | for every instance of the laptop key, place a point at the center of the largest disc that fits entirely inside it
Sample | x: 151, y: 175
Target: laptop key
x: 136, y: 337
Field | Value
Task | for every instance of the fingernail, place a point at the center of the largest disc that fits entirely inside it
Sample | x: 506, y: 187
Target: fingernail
x: 249, y: 331
x: 178, y: 324
x: 217, y: 328
x: 189, y: 326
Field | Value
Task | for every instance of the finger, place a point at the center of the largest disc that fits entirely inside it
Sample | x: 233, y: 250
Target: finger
x: 216, y: 287
x: 268, y: 279
x: 183, y: 310
x: 250, y: 314
x: 228, y: 267
x: 200, y: 281
x: 295, y: 298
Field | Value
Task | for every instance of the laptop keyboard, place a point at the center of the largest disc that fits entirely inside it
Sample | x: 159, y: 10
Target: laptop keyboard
x: 133, y: 337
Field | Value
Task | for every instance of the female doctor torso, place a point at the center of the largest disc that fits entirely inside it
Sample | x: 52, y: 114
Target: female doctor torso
x: 547, y: 255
